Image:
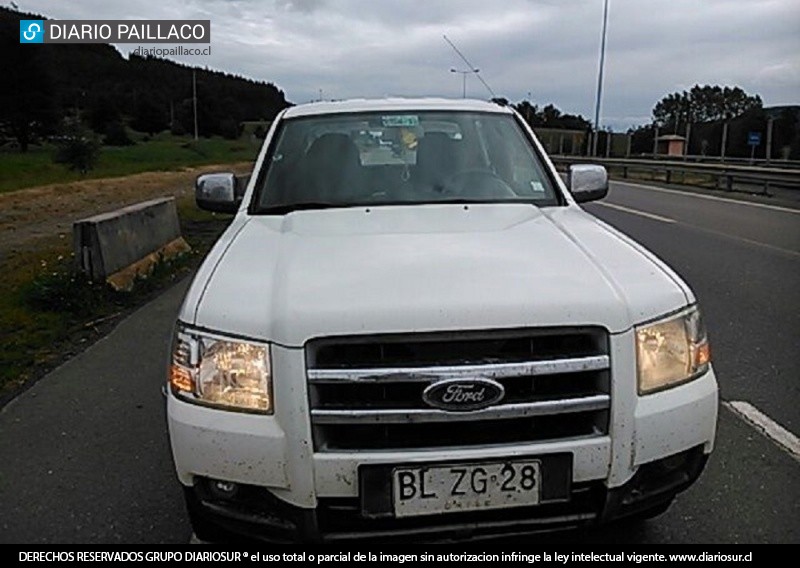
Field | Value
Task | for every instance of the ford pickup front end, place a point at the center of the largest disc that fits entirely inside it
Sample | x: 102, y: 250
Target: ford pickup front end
x: 431, y: 370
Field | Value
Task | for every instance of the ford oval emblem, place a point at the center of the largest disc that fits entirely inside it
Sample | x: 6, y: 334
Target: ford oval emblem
x: 462, y: 395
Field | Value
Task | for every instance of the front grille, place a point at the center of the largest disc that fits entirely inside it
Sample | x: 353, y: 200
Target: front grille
x: 366, y: 392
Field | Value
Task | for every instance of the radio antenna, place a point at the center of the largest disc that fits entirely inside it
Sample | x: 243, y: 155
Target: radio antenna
x: 470, y: 65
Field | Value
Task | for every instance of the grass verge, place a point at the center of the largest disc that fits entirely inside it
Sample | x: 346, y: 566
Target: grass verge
x: 163, y: 152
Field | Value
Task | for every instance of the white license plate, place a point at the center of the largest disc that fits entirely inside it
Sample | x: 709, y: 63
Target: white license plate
x: 465, y: 487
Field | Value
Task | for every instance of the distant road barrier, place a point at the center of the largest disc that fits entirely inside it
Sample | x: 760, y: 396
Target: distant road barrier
x: 694, y: 158
x: 724, y: 175
x: 123, y: 244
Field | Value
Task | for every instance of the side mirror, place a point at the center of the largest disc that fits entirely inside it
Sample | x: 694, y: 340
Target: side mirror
x: 217, y: 192
x: 587, y: 182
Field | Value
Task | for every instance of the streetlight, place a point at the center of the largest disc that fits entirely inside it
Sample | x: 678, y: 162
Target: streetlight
x: 464, y: 79
x: 600, y: 80
x: 194, y: 100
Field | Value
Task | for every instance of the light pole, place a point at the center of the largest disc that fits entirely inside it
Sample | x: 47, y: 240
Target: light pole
x: 600, y: 80
x: 194, y: 100
x: 464, y: 79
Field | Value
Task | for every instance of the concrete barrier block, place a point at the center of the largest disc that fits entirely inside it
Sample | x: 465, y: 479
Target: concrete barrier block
x: 108, y: 244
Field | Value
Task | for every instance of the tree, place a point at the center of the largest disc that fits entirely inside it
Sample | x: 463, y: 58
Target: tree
x: 27, y: 104
x: 575, y: 122
x: 149, y: 118
x: 77, y: 146
x: 527, y: 110
x: 642, y: 138
x: 229, y: 129
x: 116, y: 135
x: 703, y: 104
x: 40, y: 84
x: 673, y: 109
x: 103, y: 113
x: 786, y: 134
x: 550, y: 117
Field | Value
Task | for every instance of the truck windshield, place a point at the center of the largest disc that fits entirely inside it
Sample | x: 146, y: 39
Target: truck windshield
x: 343, y: 160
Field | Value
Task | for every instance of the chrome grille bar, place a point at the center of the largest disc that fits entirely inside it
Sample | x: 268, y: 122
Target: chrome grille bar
x: 411, y: 415
x: 437, y: 373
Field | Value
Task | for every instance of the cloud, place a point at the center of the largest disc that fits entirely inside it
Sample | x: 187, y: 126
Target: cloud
x: 300, y: 5
x: 549, y: 48
x: 784, y: 73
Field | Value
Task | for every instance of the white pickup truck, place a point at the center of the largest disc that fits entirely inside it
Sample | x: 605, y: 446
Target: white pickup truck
x: 411, y: 330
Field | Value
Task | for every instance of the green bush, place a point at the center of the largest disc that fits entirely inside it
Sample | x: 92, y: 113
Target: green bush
x: 229, y: 129
x: 65, y: 291
x: 77, y: 147
x: 177, y: 128
x: 116, y: 135
x: 61, y: 288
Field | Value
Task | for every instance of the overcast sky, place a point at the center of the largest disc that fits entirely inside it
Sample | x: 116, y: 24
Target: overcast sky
x: 548, y: 48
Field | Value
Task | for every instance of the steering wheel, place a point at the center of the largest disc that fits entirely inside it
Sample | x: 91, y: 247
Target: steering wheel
x: 477, y: 183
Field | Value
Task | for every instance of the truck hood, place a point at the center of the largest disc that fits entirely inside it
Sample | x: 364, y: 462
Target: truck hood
x: 426, y: 268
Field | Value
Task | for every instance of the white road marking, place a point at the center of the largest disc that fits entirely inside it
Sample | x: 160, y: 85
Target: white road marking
x: 767, y: 426
x: 695, y: 227
x: 745, y: 240
x: 710, y: 197
x: 637, y: 212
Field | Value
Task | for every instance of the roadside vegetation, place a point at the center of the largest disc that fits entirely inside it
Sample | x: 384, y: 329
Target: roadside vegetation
x: 96, y: 159
x: 48, y: 313
x: 161, y: 152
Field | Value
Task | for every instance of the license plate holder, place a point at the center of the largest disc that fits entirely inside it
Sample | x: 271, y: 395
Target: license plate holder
x: 426, y: 490
x: 377, y: 487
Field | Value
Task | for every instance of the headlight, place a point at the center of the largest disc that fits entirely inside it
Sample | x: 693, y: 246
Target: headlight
x: 220, y: 371
x: 671, y: 351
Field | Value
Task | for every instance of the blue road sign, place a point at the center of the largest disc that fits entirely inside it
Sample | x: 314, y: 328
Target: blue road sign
x: 754, y: 138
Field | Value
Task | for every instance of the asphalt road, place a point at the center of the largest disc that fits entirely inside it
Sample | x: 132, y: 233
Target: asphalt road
x: 84, y: 456
x: 743, y: 262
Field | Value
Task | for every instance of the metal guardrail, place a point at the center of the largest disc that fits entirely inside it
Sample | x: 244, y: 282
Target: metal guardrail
x: 724, y: 175
x: 695, y: 158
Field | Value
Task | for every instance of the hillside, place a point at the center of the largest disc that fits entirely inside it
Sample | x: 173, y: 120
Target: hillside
x: 43, y: 83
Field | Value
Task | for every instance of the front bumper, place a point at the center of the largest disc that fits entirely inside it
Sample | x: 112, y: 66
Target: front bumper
x: 289, y: 492
x: 255, y: 513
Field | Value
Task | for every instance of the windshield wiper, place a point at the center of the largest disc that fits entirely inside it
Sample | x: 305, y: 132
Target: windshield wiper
x: 285, y: 208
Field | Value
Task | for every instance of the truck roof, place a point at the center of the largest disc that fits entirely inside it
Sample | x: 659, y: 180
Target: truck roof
x: 394, y: 104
